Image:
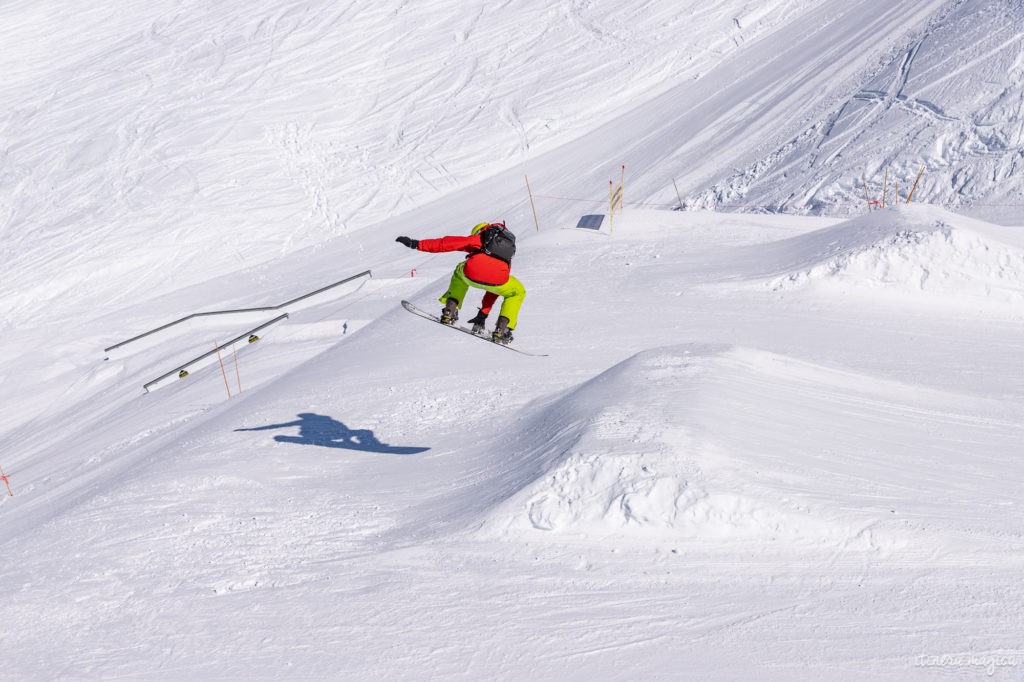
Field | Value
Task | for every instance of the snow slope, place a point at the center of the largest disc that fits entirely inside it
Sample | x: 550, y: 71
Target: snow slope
x: 948, y: 100
x: 154, y: 133
x: 762, y: 445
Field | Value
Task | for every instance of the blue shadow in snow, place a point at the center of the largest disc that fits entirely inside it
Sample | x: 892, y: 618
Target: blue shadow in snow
x: 317, y: 429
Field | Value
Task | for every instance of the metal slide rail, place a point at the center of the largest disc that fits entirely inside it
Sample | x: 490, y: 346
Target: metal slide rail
x: 365, y: 273
x: 176, y: 372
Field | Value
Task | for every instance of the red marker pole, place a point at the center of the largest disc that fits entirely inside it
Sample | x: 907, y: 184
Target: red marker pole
x: 611, y: 206
x: 7, y: 482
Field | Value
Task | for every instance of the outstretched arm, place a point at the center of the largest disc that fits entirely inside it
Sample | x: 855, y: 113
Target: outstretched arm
x: 470, y: 243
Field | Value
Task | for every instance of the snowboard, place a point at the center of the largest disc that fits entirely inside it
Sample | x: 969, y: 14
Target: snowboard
x: 424, y: 314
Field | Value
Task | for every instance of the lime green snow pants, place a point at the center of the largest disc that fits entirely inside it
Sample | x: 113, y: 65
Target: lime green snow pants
x: 512, y: 293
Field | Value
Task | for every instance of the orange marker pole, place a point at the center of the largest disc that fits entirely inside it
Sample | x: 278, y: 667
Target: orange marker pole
x: 222, y: 370
x: 7, y: 482
x: 912, y: 189
x: 238, y: 374
x: 622, y: 184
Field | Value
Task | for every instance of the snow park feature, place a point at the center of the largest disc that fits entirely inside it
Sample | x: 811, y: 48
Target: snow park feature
x: 777, y: 434
x: 208, y: 321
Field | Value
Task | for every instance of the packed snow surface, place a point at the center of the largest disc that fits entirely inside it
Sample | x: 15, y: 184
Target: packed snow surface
x: 760, y: 446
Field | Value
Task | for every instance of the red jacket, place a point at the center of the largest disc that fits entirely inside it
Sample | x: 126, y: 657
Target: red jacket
x: 480, y: 267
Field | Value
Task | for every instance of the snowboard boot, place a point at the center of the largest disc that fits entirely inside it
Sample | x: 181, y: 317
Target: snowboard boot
x: 479, y: 322
x: 450, y: 312
x: 502, y: 334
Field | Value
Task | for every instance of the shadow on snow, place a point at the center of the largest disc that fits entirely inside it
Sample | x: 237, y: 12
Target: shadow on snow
x: 317, y: 429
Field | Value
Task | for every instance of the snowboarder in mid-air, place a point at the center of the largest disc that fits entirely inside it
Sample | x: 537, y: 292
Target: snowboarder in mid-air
x: 490, y: 247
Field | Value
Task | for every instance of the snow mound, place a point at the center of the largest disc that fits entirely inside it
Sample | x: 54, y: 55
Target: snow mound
x: 635, y: 452
x: 895, y: 251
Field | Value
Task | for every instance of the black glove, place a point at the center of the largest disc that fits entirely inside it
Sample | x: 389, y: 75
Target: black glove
x: 411, y: 243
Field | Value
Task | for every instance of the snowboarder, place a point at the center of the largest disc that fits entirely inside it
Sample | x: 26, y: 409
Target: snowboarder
x: 490, y: 247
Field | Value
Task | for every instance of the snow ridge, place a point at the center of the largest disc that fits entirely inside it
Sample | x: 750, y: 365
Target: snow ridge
x: 636, y: 452
x: 940, y: 257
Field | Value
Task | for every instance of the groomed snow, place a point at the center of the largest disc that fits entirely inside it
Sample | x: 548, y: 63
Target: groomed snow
x: 761, y: 446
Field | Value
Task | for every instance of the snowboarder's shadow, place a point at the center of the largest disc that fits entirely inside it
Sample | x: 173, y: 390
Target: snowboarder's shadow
x: 317, y: 429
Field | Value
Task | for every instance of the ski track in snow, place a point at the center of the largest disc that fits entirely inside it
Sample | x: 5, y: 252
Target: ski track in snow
x: 762, y: 446
x: 947, y: 102
x: 185, y: 121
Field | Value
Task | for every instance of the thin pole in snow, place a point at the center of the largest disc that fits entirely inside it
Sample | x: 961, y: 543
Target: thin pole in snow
x: 7, y: 482
x: 238, y: 375
x: 532, y: 205
x: 915, y: 185
x: 611, y: 206
x: 677, y: 194
x: 222, y: 370
x: 622, y: 184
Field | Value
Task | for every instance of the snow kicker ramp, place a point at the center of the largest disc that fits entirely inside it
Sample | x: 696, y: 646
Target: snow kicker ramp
x: 917, y: 251
x: 707, y: 444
